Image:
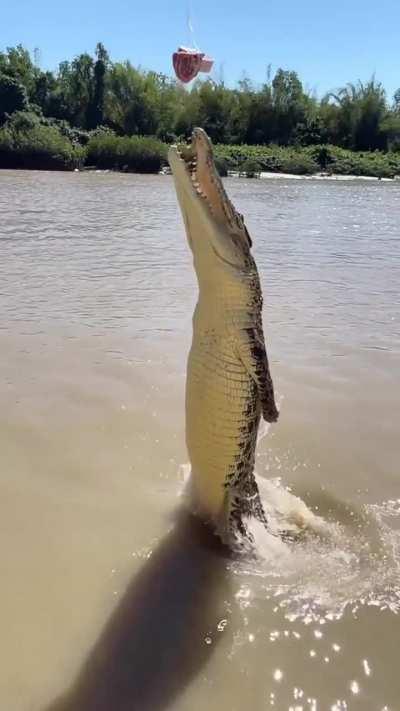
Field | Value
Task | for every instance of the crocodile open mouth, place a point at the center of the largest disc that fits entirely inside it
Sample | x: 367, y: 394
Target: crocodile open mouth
x: 198, y: 158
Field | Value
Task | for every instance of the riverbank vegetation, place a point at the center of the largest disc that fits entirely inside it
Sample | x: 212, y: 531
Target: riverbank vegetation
x: 309, y: 160
x: 95, y: 112
x: 128, y: 153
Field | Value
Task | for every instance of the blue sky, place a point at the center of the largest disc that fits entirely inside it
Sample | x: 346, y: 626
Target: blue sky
x: 327, y: 43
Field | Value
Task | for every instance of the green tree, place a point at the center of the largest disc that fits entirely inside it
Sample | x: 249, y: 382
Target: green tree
x: 289, y: 103
x: 369, y: 135
x: 73, y: 93
x: 45, y: 85
x: 132, y: 101
x: 390, y: 129
x: 95, y: 111
x: 310, y: 133
x: 261, y: 117
x: 16, y: 62
x: 13, y: 96
x: 171, y: 98
x: 362, y: 108
x: 214, y: 107
x: 241, y: 111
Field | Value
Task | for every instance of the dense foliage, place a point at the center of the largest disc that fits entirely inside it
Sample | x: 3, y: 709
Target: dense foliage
x: 95, y: 110
x: 129, y: 153
x: 28, y: 142
x: 307, y: 160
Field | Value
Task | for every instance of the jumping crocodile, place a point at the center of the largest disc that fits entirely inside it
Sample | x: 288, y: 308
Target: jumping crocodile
x: 228, y: 385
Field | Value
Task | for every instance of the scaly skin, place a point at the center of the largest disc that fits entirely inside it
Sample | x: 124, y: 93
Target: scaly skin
x: 228, y: 384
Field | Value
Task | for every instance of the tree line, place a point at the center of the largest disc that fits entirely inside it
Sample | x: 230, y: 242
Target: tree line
x: 93, y: 91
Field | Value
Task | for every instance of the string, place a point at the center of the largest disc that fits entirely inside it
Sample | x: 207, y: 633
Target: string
x: 189, y: 22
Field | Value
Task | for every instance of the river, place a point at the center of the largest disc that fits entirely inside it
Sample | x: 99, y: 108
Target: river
x: 110, y: 599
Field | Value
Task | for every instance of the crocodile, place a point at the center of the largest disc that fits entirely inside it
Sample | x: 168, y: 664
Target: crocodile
x: 228, y: 385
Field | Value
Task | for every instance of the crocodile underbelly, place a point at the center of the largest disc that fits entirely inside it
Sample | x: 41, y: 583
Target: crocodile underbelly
x: 222, y: 416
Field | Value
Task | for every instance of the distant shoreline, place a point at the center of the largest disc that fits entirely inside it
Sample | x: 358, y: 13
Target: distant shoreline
x: 270, y: 175
x: 39, y: 147
x: 318, y: 176
x: 263, y: 175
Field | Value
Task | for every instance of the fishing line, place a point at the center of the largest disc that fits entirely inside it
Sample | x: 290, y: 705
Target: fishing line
x: 189, y: 24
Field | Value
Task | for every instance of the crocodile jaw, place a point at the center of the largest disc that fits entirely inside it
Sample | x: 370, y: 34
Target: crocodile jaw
x: 215, y: 230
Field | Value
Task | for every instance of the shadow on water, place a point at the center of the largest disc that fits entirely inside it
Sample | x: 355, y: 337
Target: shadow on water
x: 163, y: 631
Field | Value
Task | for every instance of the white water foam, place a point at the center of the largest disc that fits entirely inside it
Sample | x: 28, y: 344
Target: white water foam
x: 331, y: 567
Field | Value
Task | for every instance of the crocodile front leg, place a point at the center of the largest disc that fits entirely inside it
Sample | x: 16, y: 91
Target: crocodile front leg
x: 253, y: 355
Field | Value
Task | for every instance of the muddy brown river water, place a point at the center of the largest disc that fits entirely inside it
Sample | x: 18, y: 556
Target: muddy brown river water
x: 111, y: 599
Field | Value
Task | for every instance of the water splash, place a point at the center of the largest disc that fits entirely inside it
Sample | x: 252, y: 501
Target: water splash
x: 331, y: 567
